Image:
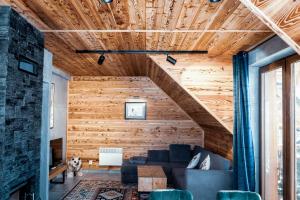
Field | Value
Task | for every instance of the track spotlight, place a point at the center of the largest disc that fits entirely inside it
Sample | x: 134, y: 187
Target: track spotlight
x: 107, y: 1
x: 171, y: 60
x: 101, y: 59
x: 214, y: 1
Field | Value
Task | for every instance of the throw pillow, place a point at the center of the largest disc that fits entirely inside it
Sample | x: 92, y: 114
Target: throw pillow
x: 205, y: 165
x: 194, y: 162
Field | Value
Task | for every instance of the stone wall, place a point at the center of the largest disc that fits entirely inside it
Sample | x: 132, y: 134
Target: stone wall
x: 20, y: 104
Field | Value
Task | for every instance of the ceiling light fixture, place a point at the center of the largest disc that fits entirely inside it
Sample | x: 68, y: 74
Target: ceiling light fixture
x: 171, y: 60
x: 101, y: 59
x: 107, y: 1
x: 142, y: 51
x: 214, y: 1
x: 165, y: 52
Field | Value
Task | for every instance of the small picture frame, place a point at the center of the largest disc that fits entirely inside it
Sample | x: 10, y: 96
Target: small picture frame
x: 135, y: 110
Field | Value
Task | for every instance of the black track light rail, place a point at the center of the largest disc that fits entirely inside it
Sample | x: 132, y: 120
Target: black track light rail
x: 140, y: 52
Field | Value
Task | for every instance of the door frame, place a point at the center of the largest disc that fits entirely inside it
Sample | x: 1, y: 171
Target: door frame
x: 289, y: 182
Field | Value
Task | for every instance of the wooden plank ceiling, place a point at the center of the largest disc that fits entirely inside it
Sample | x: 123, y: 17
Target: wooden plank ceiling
x: 221, y: 28
x: 282, y: 16
x: 208, y: 80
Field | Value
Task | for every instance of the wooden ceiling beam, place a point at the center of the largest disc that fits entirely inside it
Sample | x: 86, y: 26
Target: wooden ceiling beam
x: 271, y: 23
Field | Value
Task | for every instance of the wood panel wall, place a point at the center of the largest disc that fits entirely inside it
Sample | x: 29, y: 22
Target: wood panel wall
x: 218, y: 137
x: 96, y: 118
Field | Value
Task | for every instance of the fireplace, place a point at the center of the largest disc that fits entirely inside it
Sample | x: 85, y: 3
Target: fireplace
x: 22, y: 191
x: 20, y: 107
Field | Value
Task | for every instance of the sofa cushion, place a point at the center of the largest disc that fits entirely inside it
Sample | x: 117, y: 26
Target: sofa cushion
x: 236, y: 195
x: 205, y: 165
x: 138, y: 160
x: 217, y: 162
x: 158, y: 155
x: 180, y: 153
x: 163, y: 164
x: 194, y: 162
x: 178, y: 165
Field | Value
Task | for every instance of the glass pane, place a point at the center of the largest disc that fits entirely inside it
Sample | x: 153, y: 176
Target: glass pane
x: 273, y: 135
x: 296, y: 82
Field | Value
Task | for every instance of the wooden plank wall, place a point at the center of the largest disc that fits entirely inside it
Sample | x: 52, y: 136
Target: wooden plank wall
x: 218, y: 137
x: 96, y: 118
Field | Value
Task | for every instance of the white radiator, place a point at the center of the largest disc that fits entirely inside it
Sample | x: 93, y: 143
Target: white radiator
x: 110, y: 156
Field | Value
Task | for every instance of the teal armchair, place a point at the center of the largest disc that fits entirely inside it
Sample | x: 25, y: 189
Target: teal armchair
x: 237, y: 195
x: 171, y: 195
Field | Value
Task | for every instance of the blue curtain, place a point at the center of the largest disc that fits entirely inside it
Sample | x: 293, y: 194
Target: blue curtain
x: 243, y: 158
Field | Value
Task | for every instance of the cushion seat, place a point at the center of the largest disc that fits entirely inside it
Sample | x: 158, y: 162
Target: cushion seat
x: 238, y: 195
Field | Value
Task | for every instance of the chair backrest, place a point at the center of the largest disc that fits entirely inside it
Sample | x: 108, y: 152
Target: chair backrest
x: 171, y: 195
x: 237, y: 195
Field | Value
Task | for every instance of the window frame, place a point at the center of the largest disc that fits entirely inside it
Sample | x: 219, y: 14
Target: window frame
x: 289, y: 157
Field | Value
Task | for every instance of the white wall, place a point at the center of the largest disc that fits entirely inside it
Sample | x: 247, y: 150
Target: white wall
x: 44, y: 162
x: 60, y: 79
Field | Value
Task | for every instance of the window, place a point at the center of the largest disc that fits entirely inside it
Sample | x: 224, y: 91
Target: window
x: 280, y: 130
x: 272, y: 134
x: 296, y: 101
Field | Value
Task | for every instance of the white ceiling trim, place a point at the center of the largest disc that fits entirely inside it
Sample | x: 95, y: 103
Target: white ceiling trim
x: 155, y: 31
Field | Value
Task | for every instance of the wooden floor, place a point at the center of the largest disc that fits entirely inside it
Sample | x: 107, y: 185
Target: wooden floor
x: 58, y: 191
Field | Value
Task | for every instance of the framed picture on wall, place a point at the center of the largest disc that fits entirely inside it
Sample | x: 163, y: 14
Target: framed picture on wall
x: 135, y: 110
x: 52, y: 91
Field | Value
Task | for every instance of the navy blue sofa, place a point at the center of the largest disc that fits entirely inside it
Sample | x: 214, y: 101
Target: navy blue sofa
x: 203, y: 184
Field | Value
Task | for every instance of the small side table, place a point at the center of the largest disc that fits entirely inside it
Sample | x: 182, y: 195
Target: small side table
x: 61, y: 169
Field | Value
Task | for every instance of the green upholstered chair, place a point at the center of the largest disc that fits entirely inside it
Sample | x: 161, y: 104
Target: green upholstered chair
x: 237, y: 195
x: 171, y: 195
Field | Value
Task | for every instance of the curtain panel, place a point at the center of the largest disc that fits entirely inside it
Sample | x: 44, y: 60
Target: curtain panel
x: 243, y: 158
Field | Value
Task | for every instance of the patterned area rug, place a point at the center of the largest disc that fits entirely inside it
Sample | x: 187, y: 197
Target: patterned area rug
x: 111, y: 194
x: 101, y: 190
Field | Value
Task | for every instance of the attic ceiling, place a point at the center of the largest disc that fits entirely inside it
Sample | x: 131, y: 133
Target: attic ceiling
x: 218, y: 135
x: 221, y: 28
x: 282, y: 16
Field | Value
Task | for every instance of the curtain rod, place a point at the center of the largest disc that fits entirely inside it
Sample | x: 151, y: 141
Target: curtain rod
x: 140, y: 52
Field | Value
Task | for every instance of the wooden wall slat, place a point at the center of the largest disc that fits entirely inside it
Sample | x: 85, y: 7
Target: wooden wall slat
x: 96, y: 118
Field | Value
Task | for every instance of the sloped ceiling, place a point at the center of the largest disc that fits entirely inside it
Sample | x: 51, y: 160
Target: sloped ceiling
x: 218, y: 135
x: 209, y: 80
x: 282, y: 16
x: 221, y: 28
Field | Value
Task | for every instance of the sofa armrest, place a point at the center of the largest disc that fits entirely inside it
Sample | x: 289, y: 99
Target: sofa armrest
x: 203, y: 184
